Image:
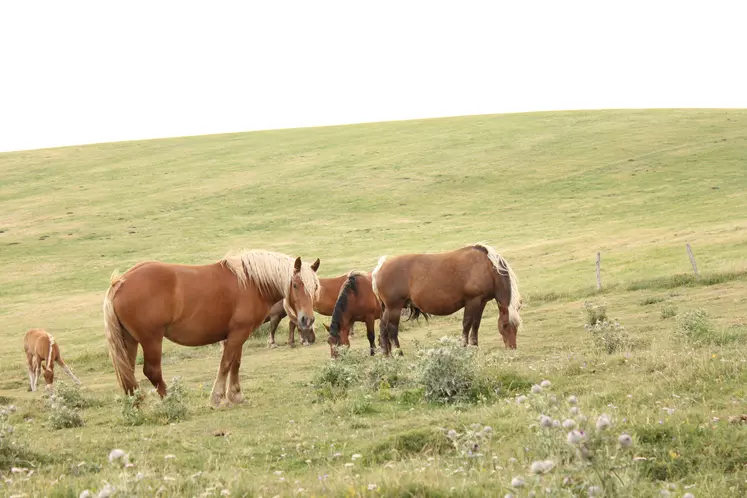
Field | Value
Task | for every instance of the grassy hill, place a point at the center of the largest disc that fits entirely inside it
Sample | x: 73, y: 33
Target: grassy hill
x: 547, y: 190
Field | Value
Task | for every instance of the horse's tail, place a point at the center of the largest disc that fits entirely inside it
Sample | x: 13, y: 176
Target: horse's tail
x: 374, y: 275
x: 414, y: 312
x: 49, y: 354
x: 115, y: 338
x: 504, y: 269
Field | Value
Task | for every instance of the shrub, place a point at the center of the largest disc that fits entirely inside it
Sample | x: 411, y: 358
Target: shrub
x: 385, y: 372
x: 669, y: 310
x: 336, y: 375
x: 63, y: 404
x: 447, y: 372
x: 609, y: 337
x: 131, y: 414
x: 595, y: 313
x: 172, y: 407
x: 695, y: 327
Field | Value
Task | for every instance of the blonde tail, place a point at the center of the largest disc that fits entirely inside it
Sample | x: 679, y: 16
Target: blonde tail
x: 115, y: 337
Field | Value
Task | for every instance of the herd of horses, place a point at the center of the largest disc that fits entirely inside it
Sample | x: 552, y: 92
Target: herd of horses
x: 226, y: 301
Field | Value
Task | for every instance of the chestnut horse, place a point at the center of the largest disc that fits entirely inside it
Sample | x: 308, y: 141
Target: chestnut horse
x: 443, y: 283
x: 40, y: 347
x: 356, y: 303
x: 329, y: 288
x: 196, y: 305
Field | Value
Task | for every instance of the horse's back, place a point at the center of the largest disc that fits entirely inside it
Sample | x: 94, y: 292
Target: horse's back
x: 36, y: 341
x: 189, y: 302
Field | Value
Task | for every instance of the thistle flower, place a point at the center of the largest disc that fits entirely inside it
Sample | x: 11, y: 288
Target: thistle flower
x: 625, y: 441
x: 545, y: 421
x: 603, y: 422
x: 521, y: 399
x: 85, y: 494
x: 545, y: 384
x: 117, y: 454
x: 451, y: 434
x: 572, y: 400
x: 568, y: 424
x: 536, y: 389
x: 517, y: 482
x: 574, y: 410
x: 576, y: 437
x: 542, y: 466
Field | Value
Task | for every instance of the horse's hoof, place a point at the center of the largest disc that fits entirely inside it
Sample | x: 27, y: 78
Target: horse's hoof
x: 306, y: 343
x: 292, y: 344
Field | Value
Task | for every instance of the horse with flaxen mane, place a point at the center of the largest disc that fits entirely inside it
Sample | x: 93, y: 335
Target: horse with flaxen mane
x: 443, y: 283
x: 40, y: 347
x: 356, y: 302
x: 196, y: 305
x: 329, y: 288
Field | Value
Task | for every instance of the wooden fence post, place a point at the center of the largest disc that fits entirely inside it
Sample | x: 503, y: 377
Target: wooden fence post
x: 692, y: 261
x: 599, y: 273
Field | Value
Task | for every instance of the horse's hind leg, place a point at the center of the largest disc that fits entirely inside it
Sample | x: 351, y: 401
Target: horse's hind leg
x: 393, y: 332
x: 234, y: 388
x: 30, y: 367
x: 291, y: 333
x: 371, y: 332
x: 274, y: 322
x: 152, y: 363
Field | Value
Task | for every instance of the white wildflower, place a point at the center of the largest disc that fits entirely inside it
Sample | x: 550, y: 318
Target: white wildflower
x: 574, y: 410
x: 169, y: 457
x: 572, y: 400
x: 487, y: 429
x: 542, y: 466
x: 688, y: 495
x: 594, y: 491
x: 576, y: 437
x: 139, y: 476
x: 337, y: 455
x: 521, y: 399
x: 545, y: 384
x: 517, y: 482
x: 278, y: 472
x: 508, y: 495
x: 545, y: 421
x: 372, y: 486
x: 106, y: 491
x: 568, y: 424
x: 536, y: 389
x: 85, y: 494
x: 356, y: 456
x: 625, y: 440
x: 512, y: 460
x: 451, y: 434
x: 116, y: 454
x: 603, y: 422
x: 349, y: 464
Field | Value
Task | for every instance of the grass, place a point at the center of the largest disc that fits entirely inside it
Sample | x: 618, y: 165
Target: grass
x: 548, y: 190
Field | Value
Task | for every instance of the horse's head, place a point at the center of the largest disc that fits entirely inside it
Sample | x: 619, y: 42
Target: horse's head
x: 507, y: 327
x: 301, y: 302
x: 48, y: 378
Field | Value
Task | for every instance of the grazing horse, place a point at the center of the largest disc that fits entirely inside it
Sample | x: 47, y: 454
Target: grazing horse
x: 356, y: 302
x: 196, y: 305
x: 328, y: 290
x: 40, y: 347
x: 443, y: 283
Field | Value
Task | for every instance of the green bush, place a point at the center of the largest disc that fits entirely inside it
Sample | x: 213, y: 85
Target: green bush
x: 447, y: 372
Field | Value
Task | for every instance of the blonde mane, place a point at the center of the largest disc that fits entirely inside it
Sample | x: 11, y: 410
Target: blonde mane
x: 503, y: 268
x: 270, y: 271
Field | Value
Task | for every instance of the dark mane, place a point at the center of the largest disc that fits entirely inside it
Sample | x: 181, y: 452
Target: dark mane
x: 341, y: 305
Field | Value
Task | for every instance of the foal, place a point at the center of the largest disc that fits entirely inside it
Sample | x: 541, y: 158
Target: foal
x: 40, y: 346
x: 356, y: 302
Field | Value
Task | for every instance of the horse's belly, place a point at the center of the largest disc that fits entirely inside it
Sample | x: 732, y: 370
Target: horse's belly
x: 185, y: 336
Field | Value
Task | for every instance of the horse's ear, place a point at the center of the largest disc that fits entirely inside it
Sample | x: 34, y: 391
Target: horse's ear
x: 316, y: 264
x: 297, y: 266
x: 326, y: 326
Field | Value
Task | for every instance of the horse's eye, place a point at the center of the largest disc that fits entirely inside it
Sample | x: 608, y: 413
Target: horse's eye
x: 295, y: 286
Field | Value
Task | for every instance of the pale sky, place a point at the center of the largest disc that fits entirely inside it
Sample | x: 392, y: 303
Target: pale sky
x: 78, y: 72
